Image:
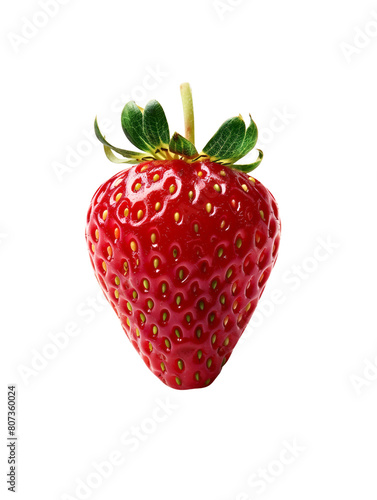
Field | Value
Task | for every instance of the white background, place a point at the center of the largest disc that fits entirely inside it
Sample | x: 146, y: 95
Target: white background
x: 303, y: 377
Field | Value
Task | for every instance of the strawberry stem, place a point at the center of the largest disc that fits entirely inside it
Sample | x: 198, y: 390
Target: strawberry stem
x: 188, y: 112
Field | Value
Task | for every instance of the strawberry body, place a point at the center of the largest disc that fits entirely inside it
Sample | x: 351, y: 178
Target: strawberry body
x: 182, y: 252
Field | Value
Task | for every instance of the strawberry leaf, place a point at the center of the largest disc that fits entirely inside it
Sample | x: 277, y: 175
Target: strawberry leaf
x: 132, y: 125
x: 228, y: 140
x: 249, y: 167
x: 182, y: 146
x: 249, y: 142
x: 155, y: 125
x: 123, y: 152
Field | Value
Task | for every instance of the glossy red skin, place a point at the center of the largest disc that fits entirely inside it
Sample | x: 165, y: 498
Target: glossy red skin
x: 250, y: 214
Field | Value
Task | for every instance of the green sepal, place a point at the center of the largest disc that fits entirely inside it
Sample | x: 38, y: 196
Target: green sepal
x: 227, y: 141
x: 249, y: 142
x: 250, y: 166
x: 155, y: 125
x: 123, y: 152
x: 111, y: 156
x: 132, y: 125
x: 182, y: 146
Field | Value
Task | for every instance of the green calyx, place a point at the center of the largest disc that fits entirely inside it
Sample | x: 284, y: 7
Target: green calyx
x: 148, y: 130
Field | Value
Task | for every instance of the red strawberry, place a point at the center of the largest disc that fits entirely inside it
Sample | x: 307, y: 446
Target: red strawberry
x: 183, y: 246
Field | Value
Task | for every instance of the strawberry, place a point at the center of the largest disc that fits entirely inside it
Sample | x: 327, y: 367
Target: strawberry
x: 183, y: 243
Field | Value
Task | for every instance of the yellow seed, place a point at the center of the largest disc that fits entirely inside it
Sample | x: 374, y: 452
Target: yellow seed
x: 93, y: 248
x: 188, y: 318
x: 97, y: 234
x: 172, y: 189
x: 178, y: 300
x: 167, y: 343
x: 133, y: 246
x: 209, y: 363
x: 191, y: 195
x: 140, y: 214
x: 252, y: 179
x: 234, y: 288
x: 201, y: 305
x: 157, y: 207
x: 214, y: 284
x: 153, y: 238
x: 154, y: 330
x: 239, y: 319
x: 104, y: 266
x: 222, y: 299
x: 229, y: 273
x: 137, y: 186
x: 156, y: 178
x: 125, y: 267
x: 118, y: 181
x: 245, y: 188
x: 213, y: 339
x: 150, y: 347
x: 142, y: 317
x: 197, y: 376
x: 126, y: 212
x: 134, y: 294
x: 222, y: 224
x: 196, y: 228
x: 226, y: 320
x: 156, y: 263
x: 116, y: 233
x: 217, y: 188
x: 104, y: 215
x: 116, y: 293
x: 146, y: 284
x: 143, y: 169
x: 198, y: 332
x: 129, y: 307
x: 200, y: 173
x: 109, y: 251
x: 226, y: 342
x: 180, y: 364
x: 220, y: 252
x: 137, y: 332
x: 235, y: 305
x: 239, y: 243
x: 117, y: 281
x: 200, y: 354
x: 162, y: 367
x: 150, y: 304
x: 178, y: 380
x: 208, y: 207
x: 128, y: 322
x: 175, y: 253
x: 163, y: 287
x: 247, y: 309
x: 176, y: 216
x: 262, y: 214
x: 118, y: 197
x: 181, y: 274
x: 222, y: 173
